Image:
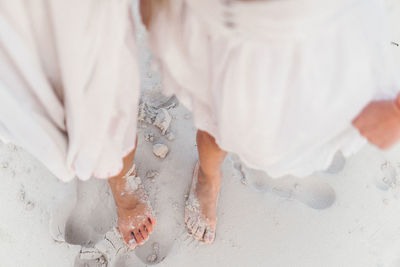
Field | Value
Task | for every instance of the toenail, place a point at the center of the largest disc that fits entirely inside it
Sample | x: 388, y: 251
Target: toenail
x: 142, y: 234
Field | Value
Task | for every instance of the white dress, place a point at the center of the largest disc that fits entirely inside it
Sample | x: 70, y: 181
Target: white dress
x: 69, y: 83
x: 277, y: 82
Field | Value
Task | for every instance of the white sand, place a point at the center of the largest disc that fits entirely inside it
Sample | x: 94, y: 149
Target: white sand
x: 351, y: 218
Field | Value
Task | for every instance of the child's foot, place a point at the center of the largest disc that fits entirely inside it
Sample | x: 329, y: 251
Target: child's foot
x: 135, y: 218
x: 201, y: 206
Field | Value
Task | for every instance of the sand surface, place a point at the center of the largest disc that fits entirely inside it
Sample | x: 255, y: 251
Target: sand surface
x: 348, y: 215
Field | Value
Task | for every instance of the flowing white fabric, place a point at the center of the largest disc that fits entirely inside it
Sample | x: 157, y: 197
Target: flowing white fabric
x: 277, y: 82
x: 69, y: 83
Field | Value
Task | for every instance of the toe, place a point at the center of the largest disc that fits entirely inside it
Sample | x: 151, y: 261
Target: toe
x: 187, y: 217
x: 199, y: 232
x: 138, y: 236
x: 149, y: 227
x: 187, y: 222
x: 152, y: 220
x: 132, y: 243
x: 190, y: 225
x: 209, y: 235
x: 127, y: 235
x: 144, y: 232
x: 129, y: 238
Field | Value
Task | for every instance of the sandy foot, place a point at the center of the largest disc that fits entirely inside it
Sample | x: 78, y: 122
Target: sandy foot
x: 201, y: 223
x: 135, y: 215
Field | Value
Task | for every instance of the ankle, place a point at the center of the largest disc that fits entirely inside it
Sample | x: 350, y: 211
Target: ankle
x: 123, y: 198
x: 209, y: 177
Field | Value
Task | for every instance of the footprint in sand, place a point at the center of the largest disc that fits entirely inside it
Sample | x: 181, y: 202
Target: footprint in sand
x: 389, y: 178
x: 154, y: 251
x: 92, y: 215
x: 311, y: 191
x: 150, y: 253
x: 91, y: 258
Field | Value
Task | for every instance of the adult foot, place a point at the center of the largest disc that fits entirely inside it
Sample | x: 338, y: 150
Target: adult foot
x: 201, y: 205
x: 135, y: 216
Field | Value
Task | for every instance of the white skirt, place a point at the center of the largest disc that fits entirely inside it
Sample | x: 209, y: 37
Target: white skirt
x: 276, y: 82
x: 69, y: 83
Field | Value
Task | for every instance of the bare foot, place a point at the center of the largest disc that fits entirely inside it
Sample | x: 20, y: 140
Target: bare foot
x: 201, y: 206
x: 135, y: 218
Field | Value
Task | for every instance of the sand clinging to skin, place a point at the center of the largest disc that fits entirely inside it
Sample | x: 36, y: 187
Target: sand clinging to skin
x: 133, y: 182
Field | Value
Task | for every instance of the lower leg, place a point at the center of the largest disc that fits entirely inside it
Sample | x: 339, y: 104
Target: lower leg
x: 211, y: 157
